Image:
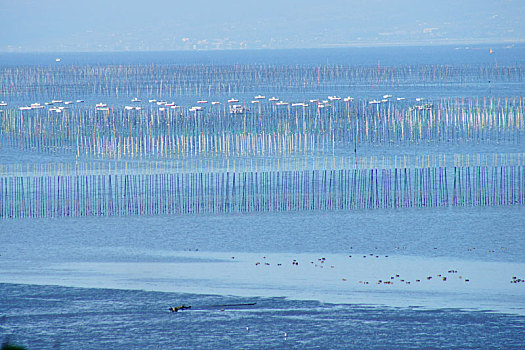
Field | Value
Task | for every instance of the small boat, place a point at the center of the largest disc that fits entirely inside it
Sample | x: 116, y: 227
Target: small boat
x: 135, y: 99
x: 202, y: 101
x: 68, y: 102
x: 179, y: 308
x: 56, y: 101
x: 259, y: 97
x: 215, y: 103
x: 152, y: 101
x: 3, y: 103
x: 25, y: 108
x: 424, y: 107
x: 80, y: 101
x: 273, y: 99
x: 232, y: 100
x: 334, y: 98
x: 238, y: 109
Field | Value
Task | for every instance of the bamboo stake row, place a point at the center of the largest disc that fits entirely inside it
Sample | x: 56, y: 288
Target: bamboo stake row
x: 342, y: 126
x: 258, y: 191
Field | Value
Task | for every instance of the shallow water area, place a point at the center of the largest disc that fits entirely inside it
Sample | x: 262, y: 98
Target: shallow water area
x: 405, y: 263
x: 479, y: 234
x: 396, y: 281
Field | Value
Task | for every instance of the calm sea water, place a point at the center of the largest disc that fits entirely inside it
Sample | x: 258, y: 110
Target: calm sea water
x: 82, y: 283
x: 72, y: 318
x: 506, y: 54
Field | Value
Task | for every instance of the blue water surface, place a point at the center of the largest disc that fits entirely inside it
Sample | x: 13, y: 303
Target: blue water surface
x: 503, y: 54
x: 53, y: 316
x: 49, y: 317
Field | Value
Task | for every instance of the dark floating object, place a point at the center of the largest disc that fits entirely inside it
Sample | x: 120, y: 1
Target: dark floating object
x: 9, y: 346
x: 179, y: 308
x: 222, y: 306
x: 240, y: 304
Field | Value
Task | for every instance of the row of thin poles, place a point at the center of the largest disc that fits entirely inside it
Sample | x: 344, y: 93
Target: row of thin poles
x: 488, y: 186
x: 104, y: 194
x: 265, y: 130
x: 57, y: 81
